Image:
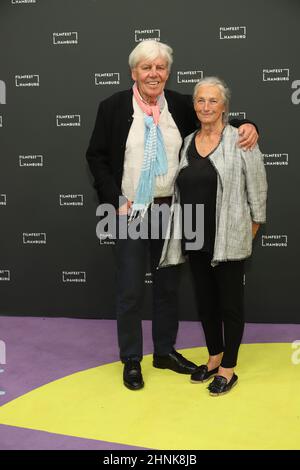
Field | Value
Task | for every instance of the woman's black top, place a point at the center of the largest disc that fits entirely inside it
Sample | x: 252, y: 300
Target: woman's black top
x: 198, y: 185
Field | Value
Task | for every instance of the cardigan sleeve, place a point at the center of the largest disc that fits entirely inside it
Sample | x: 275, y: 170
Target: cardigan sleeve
x: 239, y: 122
x: 99, y: 157
x: 256, y: 183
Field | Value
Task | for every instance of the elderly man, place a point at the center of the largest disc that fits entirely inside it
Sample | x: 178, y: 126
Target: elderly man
x: 134, y: 156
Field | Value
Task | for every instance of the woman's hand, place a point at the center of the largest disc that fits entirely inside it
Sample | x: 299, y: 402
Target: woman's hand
x: 248, y: 136
x: 123, y: 210
x: 255, y: 228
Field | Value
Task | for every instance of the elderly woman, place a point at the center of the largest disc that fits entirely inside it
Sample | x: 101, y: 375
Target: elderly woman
x: 231, y: 184
x: 134, y: 156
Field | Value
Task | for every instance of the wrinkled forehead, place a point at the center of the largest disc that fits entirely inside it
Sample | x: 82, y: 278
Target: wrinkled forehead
x: 156, y: 60
x: 209, y: 91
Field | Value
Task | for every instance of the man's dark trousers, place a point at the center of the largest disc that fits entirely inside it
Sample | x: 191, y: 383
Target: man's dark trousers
x: 132, y: 263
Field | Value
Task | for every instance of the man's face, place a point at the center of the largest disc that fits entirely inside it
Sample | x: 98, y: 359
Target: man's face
x: 150, y: 77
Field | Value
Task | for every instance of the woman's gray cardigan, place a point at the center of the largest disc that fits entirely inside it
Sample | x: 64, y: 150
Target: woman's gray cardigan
x: 241, y: 200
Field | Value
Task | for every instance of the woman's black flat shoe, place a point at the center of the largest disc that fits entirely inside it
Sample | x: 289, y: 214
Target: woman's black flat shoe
x: 202, y: 374
x: 220, y: 385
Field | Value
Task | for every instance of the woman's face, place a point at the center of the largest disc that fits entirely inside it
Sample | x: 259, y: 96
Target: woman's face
x: 209, y: 104
x: 151, y: 77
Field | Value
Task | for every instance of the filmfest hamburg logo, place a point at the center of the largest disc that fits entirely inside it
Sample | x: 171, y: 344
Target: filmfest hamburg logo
x: 233, y: 32
x: 106, y: 239
x: 4, y: 275
x: 107, y: 78
x: 146, y: 34
x: 68, y: 120
x: 276, y: 75
x: 74, y: 276
x: 29, y: 80
x: 276, y: 159
x: 65, y: 38
x: 38, y: 238
x: 3, y: 200
x: 22, y: 2
x: 31, y: 160
x: 274, y: 241
x: 71, y: 199
x: 237, y: 115
x: 189, y: 76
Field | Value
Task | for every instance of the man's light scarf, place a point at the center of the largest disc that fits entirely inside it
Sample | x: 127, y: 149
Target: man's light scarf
x: 155, y: 161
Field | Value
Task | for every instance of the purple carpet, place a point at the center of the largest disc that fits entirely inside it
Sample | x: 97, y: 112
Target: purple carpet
x: 40, y: 350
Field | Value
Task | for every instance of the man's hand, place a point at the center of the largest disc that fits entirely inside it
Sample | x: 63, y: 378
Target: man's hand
x: 123, y: 210
x: 248, y: 136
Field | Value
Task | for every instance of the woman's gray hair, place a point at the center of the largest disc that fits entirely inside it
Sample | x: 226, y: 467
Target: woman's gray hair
x: 150, y: 50
x: 225, y: 92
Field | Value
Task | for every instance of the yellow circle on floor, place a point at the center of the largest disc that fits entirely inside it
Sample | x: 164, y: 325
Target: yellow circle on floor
x: 261, y: 412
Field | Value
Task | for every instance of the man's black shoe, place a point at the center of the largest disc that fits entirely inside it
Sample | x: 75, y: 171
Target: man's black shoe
x: 175, y: 362
x: 132, y: 375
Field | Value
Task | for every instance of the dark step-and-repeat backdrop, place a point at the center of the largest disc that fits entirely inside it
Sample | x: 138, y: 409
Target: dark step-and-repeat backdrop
x: 58, y: 59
